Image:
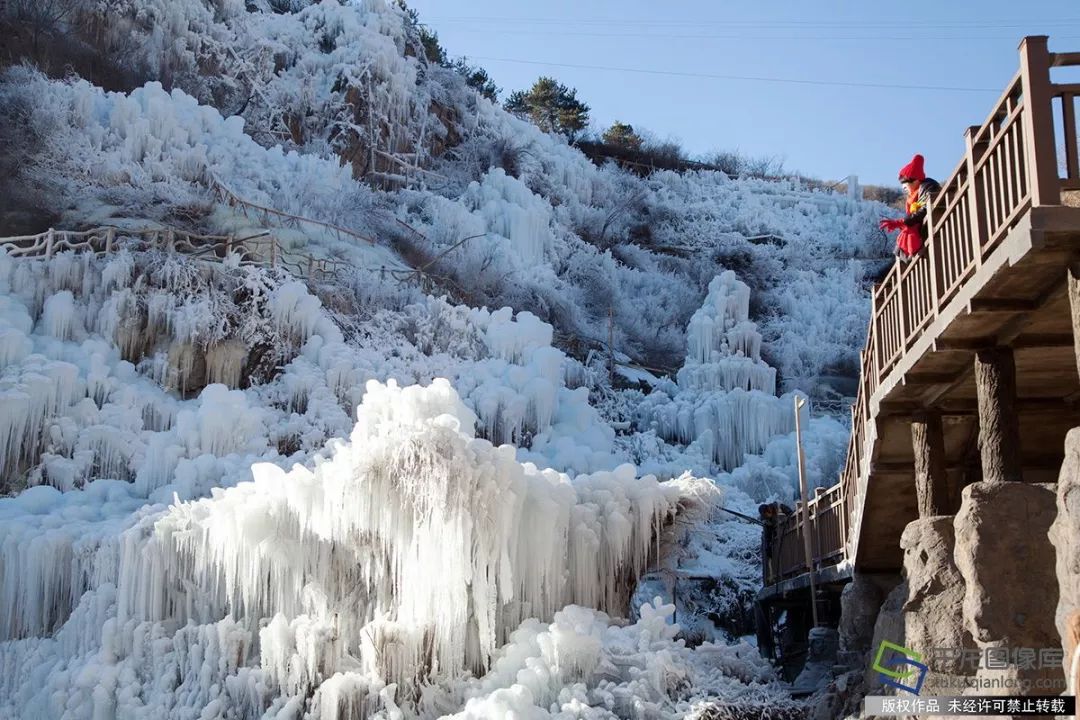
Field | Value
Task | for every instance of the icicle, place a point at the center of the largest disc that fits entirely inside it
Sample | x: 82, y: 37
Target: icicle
x: 295, y: 311
x: 179, y: 372
x: 59, y: 316
x: 39, y: 391
x: 225, y: 363
x: 118, y: 271
x: 15, y: 325
x: 111, y: 450
x: 65, y: 271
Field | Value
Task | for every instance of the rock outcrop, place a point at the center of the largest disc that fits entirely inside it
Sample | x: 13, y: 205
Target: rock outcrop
x: 889, y: 626
x: 1011, y: 589
x: 820, y: 659
x: 860, y: 602
x: 933, y: 612
x: 1065, y: 536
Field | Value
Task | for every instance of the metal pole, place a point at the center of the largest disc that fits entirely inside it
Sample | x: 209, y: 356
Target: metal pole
x: 675, y: 598
x: 799, y: 402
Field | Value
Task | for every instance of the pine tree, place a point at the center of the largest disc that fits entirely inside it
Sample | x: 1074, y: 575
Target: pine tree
x: 434, y: 52
x: 552, y: 106
x: 622, y: 135
x: 477, y: 78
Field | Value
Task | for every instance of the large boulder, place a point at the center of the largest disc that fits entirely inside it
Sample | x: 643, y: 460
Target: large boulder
x: 933, y: 613
x: 860, y: 602
x: 842, y: 697
x: 1065, y: 536
x: 822, y: 645
x: 1011, y: 590
x: 889, y: 626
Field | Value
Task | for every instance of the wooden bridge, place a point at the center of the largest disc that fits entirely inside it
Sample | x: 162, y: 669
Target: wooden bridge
x: 969, y: 370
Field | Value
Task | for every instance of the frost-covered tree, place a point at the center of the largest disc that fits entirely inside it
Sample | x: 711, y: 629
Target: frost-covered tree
x: 622, y: 135
x: 477, y: 78
x: 42, y: 16
x: 434, y: 52
x: 552, y: 106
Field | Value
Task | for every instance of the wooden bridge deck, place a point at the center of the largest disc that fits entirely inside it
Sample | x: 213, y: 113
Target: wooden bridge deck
x: 1004, y: 232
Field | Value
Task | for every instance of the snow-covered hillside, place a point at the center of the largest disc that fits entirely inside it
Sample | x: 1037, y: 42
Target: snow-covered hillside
x: 430, y: 484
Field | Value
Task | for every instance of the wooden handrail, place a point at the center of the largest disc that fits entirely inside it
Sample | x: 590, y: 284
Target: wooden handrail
x: 1009, y: 166
x: 1063, y: 59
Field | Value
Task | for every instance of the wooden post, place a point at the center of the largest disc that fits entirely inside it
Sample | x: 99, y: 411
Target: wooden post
x: 999, y: 430
x: 1039, y: 121
x: 931, y: 479
x: 799, y: 402
x: 875, y: 332
x: 934, y: 249
x: 273, y: 252
x: 902, y: 310
x: 1068, y: 120
x: 976, y: 196
x: 49, y: 243
x: 1074, y: 303
x: 110, y: 233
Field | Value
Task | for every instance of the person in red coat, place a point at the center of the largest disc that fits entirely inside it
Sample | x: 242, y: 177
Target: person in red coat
x: 920, y: 190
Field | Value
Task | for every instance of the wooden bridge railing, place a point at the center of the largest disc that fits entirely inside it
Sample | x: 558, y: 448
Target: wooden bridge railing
x: 1009, y: 166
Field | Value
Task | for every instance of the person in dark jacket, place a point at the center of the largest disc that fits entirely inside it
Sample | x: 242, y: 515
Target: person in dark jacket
x: 913, y: 228
x: 771, y: 514
x: 767, y: 513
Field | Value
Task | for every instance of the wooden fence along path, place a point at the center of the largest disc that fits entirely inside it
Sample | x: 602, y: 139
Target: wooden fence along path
x: 1010, y: 166
x: 263, y: 249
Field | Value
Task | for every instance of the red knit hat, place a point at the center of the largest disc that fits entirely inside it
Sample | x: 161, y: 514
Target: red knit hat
x: 914, y: 169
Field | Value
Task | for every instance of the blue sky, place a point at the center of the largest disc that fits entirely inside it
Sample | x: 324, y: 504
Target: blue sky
x: 827, y: 131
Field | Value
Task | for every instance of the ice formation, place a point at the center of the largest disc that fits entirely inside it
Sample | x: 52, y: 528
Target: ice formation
x: 724, y: 399
x: 402, y: 557
x: 415, y: 537
x: 581, y: 666
x: 723, y: 345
